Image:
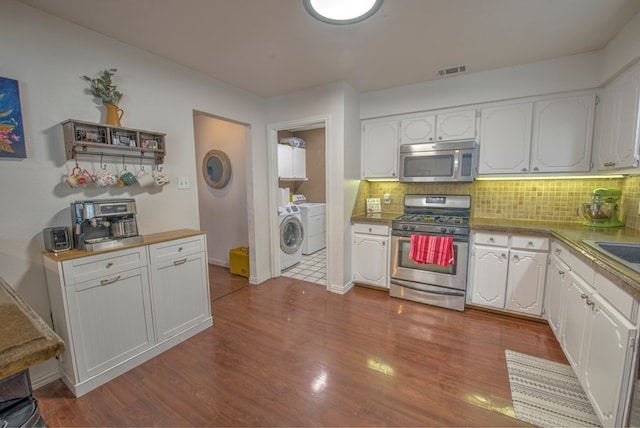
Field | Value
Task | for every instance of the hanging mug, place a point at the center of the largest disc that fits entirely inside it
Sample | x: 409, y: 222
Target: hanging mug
x: 145, y: 179
x: 160, y: 178
x: 78, y: 177
x: 105, y: 179
x: 127, y: 178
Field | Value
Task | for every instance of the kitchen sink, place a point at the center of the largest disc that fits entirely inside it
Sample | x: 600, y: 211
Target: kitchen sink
x: 627, y: 253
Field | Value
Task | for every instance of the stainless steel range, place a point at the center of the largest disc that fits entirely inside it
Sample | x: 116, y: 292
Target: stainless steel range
x: 434, y: 284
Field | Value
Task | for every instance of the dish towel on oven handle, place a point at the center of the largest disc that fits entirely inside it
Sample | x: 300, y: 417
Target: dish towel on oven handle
x: 437, y: 250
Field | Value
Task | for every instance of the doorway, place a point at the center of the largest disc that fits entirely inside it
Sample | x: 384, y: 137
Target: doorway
x: 223, y: 209
x: 312, y: 266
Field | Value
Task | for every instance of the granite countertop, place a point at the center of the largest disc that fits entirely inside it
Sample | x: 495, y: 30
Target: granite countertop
x: 573, y: 235
x: 382, y: 218
x: 25, y: 339
x: 153, y: 238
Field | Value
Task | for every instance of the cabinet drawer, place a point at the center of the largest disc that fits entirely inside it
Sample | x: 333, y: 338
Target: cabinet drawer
x: 91, y: 267
x: 177, y: 248
x: 578, y: 266
x: 485, y: 238
x: 530, y: 243
x: 371, y: 229
x: 619, y: 298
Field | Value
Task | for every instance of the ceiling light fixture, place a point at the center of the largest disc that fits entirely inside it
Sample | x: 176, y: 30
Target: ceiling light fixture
x: 342, y: 12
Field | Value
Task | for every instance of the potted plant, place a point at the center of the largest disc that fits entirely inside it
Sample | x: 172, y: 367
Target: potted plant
x: 103, y: 88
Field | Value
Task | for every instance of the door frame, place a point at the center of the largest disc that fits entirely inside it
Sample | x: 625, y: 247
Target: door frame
x: 304, y: 124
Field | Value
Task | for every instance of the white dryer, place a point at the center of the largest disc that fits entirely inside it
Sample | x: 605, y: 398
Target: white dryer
x: 291, y: 236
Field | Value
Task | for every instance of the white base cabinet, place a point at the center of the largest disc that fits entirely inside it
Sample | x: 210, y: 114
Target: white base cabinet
x: 508, y: 272
x: 597, y: 331
x: 115, y: 310
x: 178, y: 270
x: 370, y: 254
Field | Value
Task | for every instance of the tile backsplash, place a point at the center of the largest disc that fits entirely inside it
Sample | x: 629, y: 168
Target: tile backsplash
x: 545, y: 200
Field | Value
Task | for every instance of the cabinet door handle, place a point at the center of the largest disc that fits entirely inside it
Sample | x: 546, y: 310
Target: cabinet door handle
x: 558, y: 251
x: 561, y: 272
x: 109, y: 281
x: 179, y: 262
x: 584, y: 296
x: 590, y: 303
x: 179, y: 249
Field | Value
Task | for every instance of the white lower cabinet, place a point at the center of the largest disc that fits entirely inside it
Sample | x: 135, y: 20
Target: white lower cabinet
x: 178, y: 295
x: 508, y: 272
x: 608, y: 356
x: 554, y: 295
x: 370, y: 254
x: 115, y: 310
x: 597, y: 332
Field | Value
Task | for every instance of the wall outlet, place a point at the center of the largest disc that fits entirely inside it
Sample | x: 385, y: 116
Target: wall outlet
x: 387, y: 198
x: 183, y: 183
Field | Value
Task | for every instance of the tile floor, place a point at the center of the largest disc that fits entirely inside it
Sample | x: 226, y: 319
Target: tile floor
x: 312, y: 268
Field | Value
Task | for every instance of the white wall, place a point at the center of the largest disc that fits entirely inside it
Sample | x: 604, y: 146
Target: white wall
x: 623, y: 50
x: 223, y: 212
x: 544, y: 77
x: 47, y: 56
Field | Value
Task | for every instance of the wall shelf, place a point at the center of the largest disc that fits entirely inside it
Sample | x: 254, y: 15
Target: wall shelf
x: 94, y: 139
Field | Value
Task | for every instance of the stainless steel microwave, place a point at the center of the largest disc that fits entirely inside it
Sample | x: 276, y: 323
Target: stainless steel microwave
x: 439, y: 162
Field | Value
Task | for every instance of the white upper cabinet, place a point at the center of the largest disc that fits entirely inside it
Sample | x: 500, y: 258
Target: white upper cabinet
x: 505, y: 138
x: 380, y: 149
x: 550, y: 135
x: 438, y: 126
x: 457, y: 125
x: 420, y: 129
x: 292, y: 163
x: 618, y: 127
x: 563, y: 134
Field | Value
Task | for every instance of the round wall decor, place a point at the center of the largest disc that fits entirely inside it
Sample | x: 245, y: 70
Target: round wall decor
x: 216, y: 169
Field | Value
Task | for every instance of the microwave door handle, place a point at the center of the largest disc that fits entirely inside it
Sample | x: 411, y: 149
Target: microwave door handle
x: 456, y: 164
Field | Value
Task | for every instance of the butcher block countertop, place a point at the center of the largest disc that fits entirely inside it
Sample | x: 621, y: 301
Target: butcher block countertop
x: 25, y: 339
x: 153, y: 238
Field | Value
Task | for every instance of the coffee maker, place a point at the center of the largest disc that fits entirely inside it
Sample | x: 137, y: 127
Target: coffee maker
x: 106, y: 223
x: 602, y: 211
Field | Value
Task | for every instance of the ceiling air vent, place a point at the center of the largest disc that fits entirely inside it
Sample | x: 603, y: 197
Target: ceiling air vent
x: 451, y: 70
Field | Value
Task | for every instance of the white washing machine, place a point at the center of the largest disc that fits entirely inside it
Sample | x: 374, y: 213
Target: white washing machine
x: 291, y: 236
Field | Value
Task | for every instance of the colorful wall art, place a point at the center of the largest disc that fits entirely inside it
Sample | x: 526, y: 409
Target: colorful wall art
x: 12, y: 143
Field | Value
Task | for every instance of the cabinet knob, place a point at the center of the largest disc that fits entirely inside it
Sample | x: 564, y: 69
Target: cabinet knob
x: 440, y: 137
x: 393, y: 174
x: 584, y: 296
x: 561, y: 272
x: 179, y: 249
x: 109, y: 265
x: 558, y: 251
x: 516, y: 257
x: 530, y: 243
x: 383, y: 243
x: 535, y: 168
x: 590, y: 303
x: 430, y: 138
x: 524, y: 170
x: 504, y: 256
x: 491, y: 239
x: 370, y: 230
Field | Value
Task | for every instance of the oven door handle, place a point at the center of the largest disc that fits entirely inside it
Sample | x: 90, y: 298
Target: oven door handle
x: 428, y: 288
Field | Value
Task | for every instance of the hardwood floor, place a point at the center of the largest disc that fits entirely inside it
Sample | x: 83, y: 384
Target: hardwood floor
x: 289, y: 353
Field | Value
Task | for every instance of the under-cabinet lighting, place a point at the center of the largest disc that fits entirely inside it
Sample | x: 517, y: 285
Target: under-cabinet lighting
x: 389, y: 180
x: 549, y: 177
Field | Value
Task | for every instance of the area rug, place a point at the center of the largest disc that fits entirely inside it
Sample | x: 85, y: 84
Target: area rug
x: 547, y: 394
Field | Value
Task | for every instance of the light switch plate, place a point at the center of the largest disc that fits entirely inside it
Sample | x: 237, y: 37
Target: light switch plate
x: 183, y: 183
